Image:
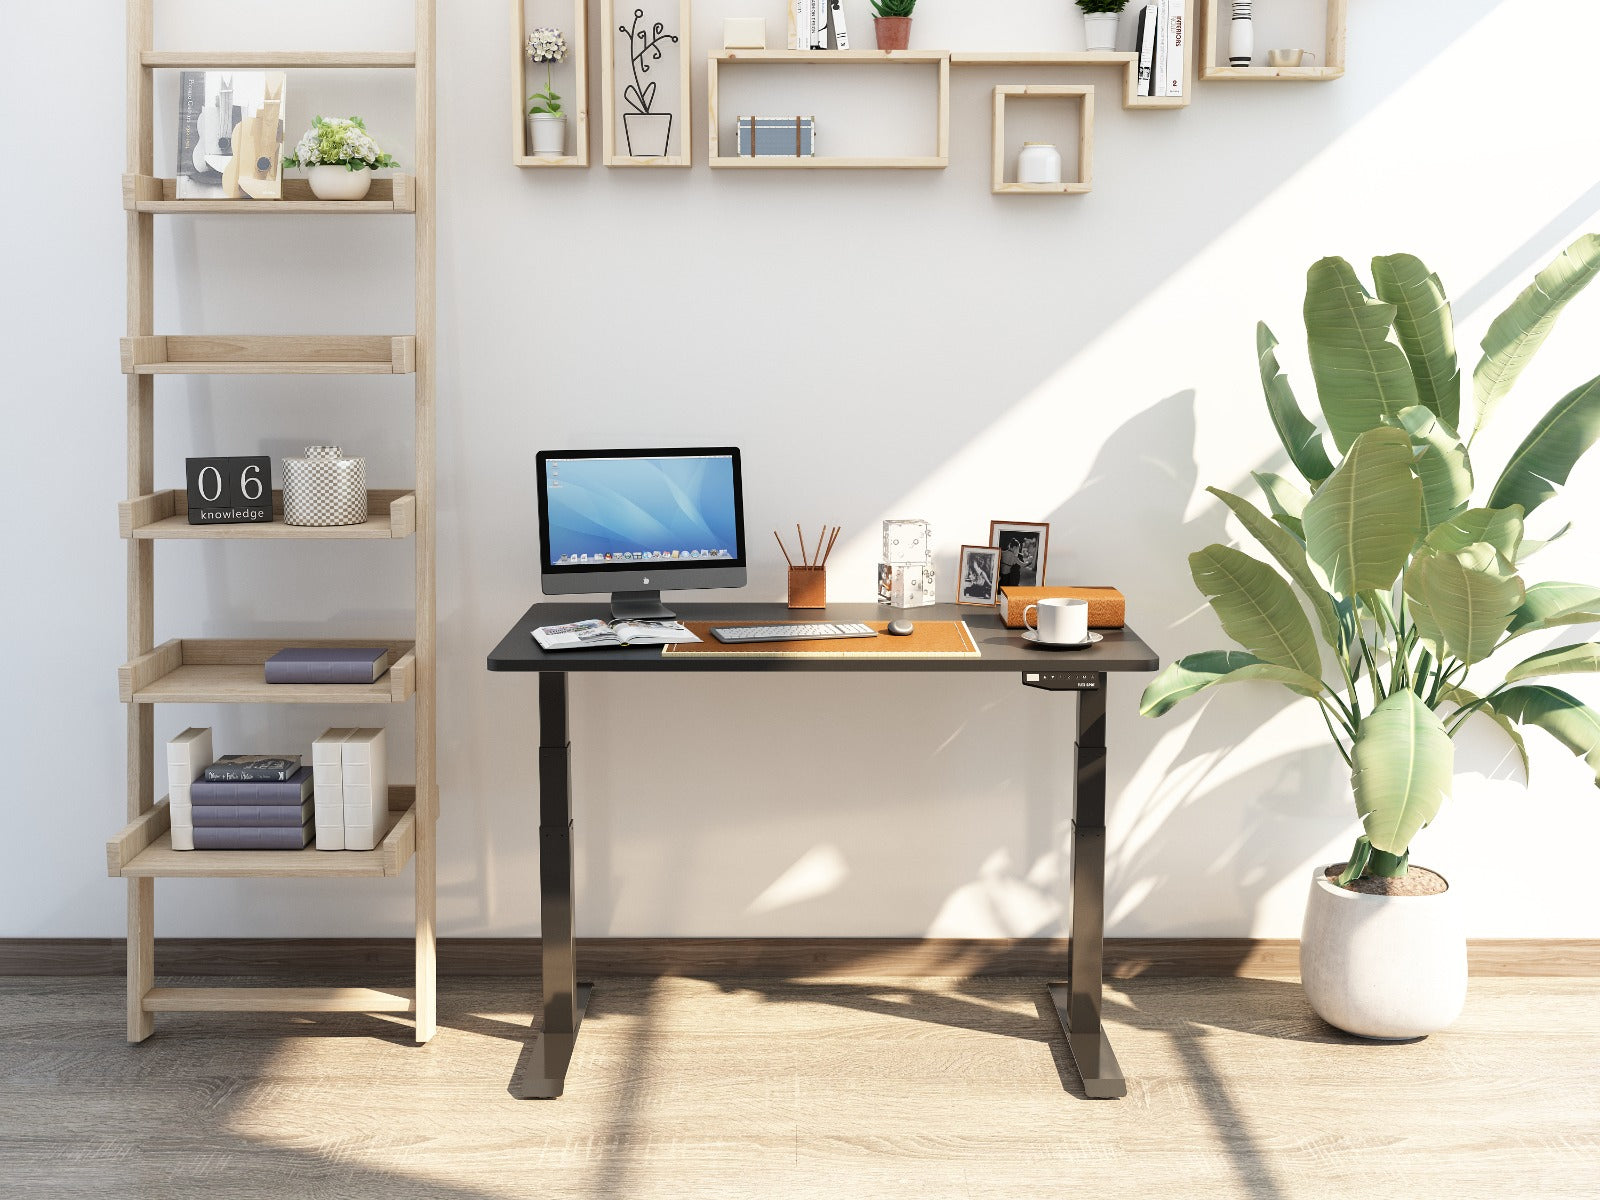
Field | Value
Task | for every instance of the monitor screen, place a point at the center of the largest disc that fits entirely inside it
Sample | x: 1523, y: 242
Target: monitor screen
x: 632, y: 509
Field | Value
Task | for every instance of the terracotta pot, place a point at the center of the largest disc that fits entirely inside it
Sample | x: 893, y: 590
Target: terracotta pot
x: 339, y: 183
x: 1384, y: 967
x: 894, y: 33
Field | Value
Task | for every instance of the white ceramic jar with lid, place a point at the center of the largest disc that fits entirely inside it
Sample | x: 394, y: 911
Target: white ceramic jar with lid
x: 1039, y: 162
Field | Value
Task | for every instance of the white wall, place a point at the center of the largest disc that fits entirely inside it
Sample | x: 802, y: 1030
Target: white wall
x: 1083, y: 360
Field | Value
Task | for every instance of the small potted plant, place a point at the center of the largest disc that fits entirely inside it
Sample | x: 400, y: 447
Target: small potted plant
x: 338, y: 156
x: 547, y: 124
x: 891, y: 19
x: 1100, y: 19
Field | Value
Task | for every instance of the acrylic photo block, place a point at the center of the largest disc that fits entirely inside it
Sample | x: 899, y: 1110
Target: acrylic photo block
x: 905, y: 585
x: 188, y: 755
x: 366, y: 788
x: 327, y: 782
x: 907, y: 541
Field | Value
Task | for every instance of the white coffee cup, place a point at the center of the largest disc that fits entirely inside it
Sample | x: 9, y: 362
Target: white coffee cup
x: 1060, y: 620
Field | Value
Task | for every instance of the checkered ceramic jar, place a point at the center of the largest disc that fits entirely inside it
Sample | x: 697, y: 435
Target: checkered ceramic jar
x: 324, y: 488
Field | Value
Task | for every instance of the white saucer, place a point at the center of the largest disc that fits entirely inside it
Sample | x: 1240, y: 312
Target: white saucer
x: 1029, y: 635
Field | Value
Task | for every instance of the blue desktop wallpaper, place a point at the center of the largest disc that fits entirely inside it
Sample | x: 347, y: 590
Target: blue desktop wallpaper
x: 629, y: 506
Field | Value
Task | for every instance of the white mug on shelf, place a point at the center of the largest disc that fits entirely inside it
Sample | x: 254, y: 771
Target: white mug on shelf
x: 1290, y: 58
x: 1061, y: 620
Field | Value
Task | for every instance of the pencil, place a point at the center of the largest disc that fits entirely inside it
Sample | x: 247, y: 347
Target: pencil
x: 829, y: 553
x: 821, y: 537
x: 785, y: 550
x: 802, y: 538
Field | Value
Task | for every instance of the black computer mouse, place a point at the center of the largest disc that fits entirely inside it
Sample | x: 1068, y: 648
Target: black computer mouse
x: 901, y: 628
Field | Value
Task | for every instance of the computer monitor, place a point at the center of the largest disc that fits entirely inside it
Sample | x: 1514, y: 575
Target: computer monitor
x: 635, y: 522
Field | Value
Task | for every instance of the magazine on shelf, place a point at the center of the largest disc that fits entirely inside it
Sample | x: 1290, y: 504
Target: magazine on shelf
x: 230, y: 135
x: 602, y: 635
x: 1146, y: 41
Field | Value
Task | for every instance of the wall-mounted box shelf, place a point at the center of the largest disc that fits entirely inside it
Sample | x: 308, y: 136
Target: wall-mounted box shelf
x: 1083, y: 95
x: 215, y: 671
x: 1126, y: 59
x: 1214, y: 54
x: 576, y: 107
x: 143, y: 850
x: 146, y: 194
x: 164, y: 516
x: 279, y: 60
x: 937, y: 59
x: 682, y: 124
x: 224, y: 354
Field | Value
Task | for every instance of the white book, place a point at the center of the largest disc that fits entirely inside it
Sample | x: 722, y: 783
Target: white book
x: 1163, y: 14
x: 327, y: 788
x: 1148, y: 20
x: 1177, y: 38
x: 366, y: 788
x: 841, y: 35
x: 819, y: 24
x: 188, y: 755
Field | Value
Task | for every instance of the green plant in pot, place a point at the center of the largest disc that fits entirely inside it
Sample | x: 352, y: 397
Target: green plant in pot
x: 1412, y: 585
x: 891, y: 21
x: 1100, y: 19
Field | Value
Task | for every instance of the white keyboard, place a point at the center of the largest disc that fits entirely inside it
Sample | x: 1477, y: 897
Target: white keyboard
x: 790, y: 633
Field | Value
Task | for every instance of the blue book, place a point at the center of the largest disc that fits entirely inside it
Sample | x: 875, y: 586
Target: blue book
x: 256, y: 838
x: 294, y: 790
x: 328, y: 664
x: 267, y: 816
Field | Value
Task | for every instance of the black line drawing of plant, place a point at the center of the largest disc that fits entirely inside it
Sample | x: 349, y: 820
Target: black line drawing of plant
x: 643, y: 45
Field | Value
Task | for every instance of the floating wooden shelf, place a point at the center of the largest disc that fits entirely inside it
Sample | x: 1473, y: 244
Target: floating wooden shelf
x: 145, y: 194
x: 270, y: 60
x: 143, y: 850
x: 1214, y: 57
x: 577, y: 108
x: 164, y: 516
x: 226, y: 354
x: 1126, y: 59
x: 217, y: 671
x: 1081, y: 93
x: 937, y: 161
x: 682, y: 115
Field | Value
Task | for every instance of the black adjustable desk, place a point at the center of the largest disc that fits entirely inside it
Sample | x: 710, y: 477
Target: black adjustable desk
x: 541, y: 1073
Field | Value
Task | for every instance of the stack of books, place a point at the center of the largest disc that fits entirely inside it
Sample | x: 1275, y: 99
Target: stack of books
x: 350, y: 767
x: 236, y: 802
x: 1163, y: 28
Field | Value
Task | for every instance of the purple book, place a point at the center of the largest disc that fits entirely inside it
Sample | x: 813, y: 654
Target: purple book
x: 265, y: 816
x: 328, y: 664
x: 214, y: 838
x: 294, y: 790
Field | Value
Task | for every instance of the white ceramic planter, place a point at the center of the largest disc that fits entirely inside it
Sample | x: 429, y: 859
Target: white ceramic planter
x: 547, y: 135
x: 1100, y: 31
x: 1039, y: 163
x: 337, y: 183
x: 1385, y: 967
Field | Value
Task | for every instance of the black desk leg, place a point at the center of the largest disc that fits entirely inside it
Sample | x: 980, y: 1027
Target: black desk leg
x: 542, y: 1068
x: 1077, y: 1001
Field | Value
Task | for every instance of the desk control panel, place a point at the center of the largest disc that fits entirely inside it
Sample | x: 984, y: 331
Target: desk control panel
x: 1065, y: 681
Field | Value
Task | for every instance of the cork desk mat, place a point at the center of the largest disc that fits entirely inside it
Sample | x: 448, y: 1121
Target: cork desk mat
x: 929, y: 639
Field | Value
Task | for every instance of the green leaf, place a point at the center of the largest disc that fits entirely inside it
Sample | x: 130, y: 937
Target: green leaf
x: 1426, y: 330
x: 1516, y: 334
x: 1300, y: 437
x: 1403, y: 762
x: 1257, y: 607
x: 1291, y: 556
x: 1462, y: 603
x: 1195, y: 672
x: 1563, y: 660
x: 1362, y: 377
x: 1463, y: 698
x: 1288, y: 502
x: 1442, y: 465
x: 1547, y: 455
x: 1360, y: 855
x: 1500, y: 528
x: 1364, y: 520
x: 1549, y: 605
x: 1563, y: 716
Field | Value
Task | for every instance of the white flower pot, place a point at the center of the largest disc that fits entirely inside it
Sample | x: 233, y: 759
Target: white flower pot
x: 1385, y: 967
x: 1100, y: 31
x: 338, y: 183
x: 547, y: 135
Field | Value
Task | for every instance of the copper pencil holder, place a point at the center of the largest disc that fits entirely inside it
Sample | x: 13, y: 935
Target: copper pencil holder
x: 808, y: 587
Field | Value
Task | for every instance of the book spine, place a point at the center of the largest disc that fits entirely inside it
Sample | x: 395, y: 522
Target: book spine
x: 264, y: 816
x: 293, y: 791
x: 819, y: 24
x: 795, y: 7
x: 366, y: 788
x: 327, y: 766
x: 248, y: 775
x: 1178, y: 36
x: 321, y: 672
x: 215, y: 838
x: 191, y: 99
x: 1162, y: 12
x: 1147, y: 55
x: 841, y: 35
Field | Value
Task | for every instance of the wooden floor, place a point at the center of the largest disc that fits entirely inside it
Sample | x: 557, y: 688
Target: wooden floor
x: 873, y: 1088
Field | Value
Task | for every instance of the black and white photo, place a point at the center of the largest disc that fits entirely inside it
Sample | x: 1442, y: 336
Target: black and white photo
x: 979, y: 575
x: 1023, y: 547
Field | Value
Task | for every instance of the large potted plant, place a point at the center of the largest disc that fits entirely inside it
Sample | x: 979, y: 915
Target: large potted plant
x: 891, y: 23
x: 1100, y: 20
x: 1413, y: 586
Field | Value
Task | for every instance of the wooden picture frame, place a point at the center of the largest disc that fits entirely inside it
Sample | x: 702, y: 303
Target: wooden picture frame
x: 1031, y: 551
x: 978, y: 576
x: 681, y: 121
x: 577, y: 110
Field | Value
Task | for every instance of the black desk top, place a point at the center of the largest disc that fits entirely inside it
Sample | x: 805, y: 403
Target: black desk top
x: 1002, y: 649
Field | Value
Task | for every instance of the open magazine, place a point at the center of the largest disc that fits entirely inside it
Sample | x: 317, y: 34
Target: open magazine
x: 596, y: 635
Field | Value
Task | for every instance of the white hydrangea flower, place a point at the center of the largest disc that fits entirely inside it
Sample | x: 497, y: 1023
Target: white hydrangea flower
x: 547, y: 45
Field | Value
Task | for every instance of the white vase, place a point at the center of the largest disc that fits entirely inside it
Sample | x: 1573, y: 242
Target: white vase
x: 547, y: 135
x: 1039, y: 163
x: 1384, y: 967
x: 1241, y: 35
x: 1100, y: 31
x: 338, y: 183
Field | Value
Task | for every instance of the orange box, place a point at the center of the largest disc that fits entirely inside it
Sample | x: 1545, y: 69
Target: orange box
x: 808, y: 587
x: 1108, y: 608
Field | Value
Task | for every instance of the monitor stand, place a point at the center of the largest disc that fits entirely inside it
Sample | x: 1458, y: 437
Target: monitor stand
x: 640, y: 606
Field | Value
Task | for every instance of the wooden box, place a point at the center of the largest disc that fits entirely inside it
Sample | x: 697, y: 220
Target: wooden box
x: 1107, y: 607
